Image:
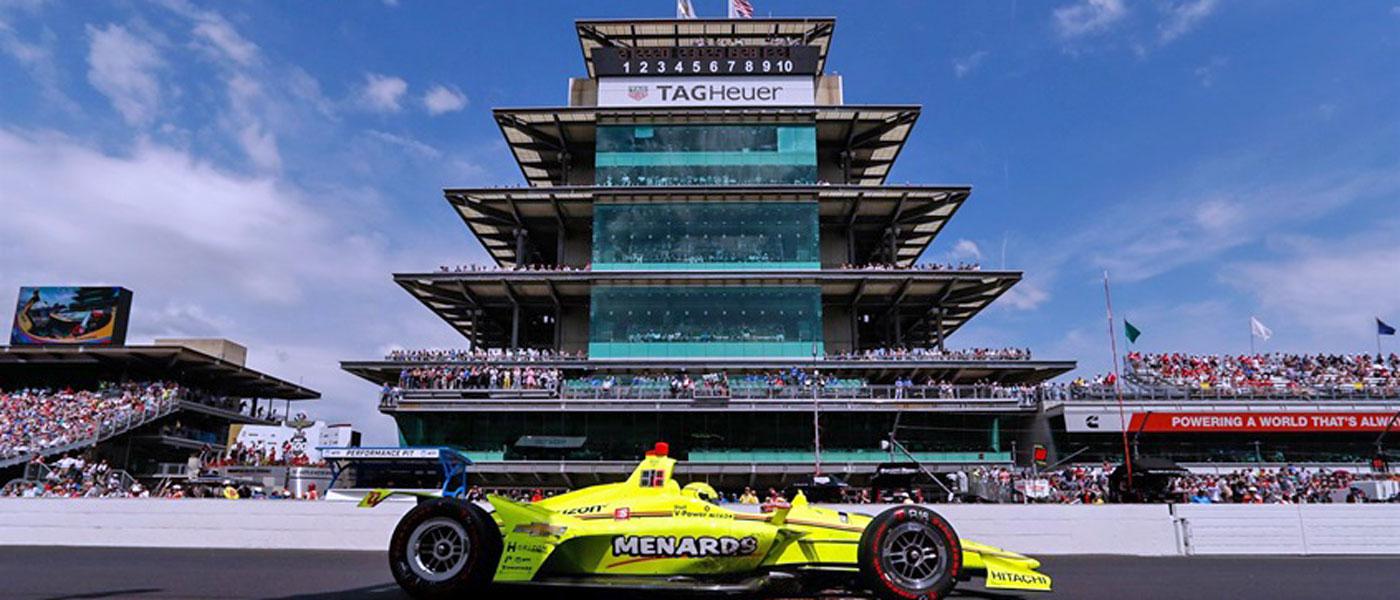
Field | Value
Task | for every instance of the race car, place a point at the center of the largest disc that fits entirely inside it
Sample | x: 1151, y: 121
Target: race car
x: 649, y: 533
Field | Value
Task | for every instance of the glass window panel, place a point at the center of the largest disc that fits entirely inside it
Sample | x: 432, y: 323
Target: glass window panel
x: 693, y: 321
x: 647, y: 155
x: 706, y: 235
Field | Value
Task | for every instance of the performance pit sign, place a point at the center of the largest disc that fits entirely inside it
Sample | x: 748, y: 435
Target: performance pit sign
x: 705, y: 91
x: 1107, y: 421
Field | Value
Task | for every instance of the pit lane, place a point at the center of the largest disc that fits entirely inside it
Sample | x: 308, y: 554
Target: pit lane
x: 56, y: 573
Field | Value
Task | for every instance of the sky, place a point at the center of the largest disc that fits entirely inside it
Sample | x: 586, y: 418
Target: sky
x: 257, y: 170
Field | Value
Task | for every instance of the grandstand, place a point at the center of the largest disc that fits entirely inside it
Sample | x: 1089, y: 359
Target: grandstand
x: 142, y: 409
x: 708, y: 273
x: 1337, y: 410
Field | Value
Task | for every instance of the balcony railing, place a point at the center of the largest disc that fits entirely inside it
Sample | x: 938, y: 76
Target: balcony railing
x: 1162, y: 393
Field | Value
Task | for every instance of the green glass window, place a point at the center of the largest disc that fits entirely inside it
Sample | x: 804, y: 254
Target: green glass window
x: 705, y: 235
x: 694, y: 321
x: 658, y: 155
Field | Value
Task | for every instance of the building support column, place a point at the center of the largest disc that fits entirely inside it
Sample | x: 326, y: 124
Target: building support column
x: 898, y: 328
x: 520, y: 236
x: 938, y: 327
x: 515, y: 326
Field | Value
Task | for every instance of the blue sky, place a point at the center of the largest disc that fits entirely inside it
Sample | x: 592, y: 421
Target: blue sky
x: 256, y: 170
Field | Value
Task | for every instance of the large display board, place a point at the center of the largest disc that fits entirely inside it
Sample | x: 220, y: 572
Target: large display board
x: 705, y: 60
x: 706, y: 91
x: 71, y: 316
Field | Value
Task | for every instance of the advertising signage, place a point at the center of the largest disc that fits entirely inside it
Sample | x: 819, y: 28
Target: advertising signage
x: 93, y: 316
x: 1300, y: 421
x: 705, y: 60
x: 706, y: 91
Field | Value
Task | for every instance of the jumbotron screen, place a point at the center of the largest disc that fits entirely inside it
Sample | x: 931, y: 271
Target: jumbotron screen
x: 95, y: 316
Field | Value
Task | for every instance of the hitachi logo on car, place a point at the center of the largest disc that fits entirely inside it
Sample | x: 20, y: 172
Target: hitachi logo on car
x: 684, y: 546
x: 729, y: 93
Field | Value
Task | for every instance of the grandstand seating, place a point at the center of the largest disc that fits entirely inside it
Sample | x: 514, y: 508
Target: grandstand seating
x: 45, y: 422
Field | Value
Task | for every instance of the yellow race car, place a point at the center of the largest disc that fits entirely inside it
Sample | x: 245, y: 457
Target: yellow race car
x: 650, y: 533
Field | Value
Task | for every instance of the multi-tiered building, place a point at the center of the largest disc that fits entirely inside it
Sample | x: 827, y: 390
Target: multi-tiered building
x: 708, y: 254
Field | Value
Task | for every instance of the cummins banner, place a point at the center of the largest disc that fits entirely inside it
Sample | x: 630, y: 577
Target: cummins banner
x: 1105, y: 420
x: 706, y: 91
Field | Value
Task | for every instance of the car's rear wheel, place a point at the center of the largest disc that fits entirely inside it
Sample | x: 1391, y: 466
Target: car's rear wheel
x: 444, y: 548
x: 909, y: 553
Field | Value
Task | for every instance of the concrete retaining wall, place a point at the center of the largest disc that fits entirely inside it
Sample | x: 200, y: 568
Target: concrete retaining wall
x: 1142, y: 530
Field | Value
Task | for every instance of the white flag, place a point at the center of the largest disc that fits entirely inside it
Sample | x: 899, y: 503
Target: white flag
x: 1259, y: 330
x: 684, y: 10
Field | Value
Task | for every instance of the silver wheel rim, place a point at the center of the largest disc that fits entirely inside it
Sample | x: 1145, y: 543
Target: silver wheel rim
x: 437, y: 549
x: 913, y: 557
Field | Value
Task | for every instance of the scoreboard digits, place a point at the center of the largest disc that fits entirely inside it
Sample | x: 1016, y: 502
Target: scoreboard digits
x: 705, y: 60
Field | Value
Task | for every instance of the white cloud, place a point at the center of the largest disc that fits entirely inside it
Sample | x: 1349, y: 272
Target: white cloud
x: 1025, y: 295
x: 38, y: 58
x: 442, y: 99
x: 1207, y: 73
x: 405, y: 142
x: 966, y: 249
x: 124, y: 68
x: 1329, y: 290
x: 382, y: 93
x: 1184, y: 17
x: 217, y: 36
x: 1088, y: 17
x: 965, y: 65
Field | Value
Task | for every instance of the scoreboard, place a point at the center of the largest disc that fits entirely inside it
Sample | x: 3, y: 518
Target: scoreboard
x: 665, y: 61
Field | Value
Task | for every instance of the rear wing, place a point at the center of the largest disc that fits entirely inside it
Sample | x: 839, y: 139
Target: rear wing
x: 454, y: 464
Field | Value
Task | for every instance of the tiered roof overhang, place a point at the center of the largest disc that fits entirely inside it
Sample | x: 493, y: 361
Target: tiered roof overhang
x: 641, y: 33
x: 111, y: 363
x: 548, y: 142
x: 480, y: 305
x: 910, y: 216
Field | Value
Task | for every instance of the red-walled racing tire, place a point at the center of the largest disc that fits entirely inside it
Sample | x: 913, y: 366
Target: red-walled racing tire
x: 909, y: 553
x: 445, y: 548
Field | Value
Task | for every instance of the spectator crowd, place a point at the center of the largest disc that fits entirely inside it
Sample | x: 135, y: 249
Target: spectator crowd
x: 39, y: 420
x: 480, y: 354
x: 1264, y: 372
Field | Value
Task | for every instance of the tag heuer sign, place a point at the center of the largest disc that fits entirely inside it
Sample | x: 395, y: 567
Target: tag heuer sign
x: 706, y: 91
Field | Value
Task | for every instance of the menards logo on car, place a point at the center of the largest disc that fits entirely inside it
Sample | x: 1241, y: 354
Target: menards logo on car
x: 683, y: 546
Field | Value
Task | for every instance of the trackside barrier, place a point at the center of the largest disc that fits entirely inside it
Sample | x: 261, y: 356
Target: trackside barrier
x: 1141, y: 530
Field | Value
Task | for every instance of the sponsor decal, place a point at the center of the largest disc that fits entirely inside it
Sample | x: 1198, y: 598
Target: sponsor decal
x: 706, y: 512
x: 540, y: 529
x: 582, y: 510
x: 1091, y: 421
x: 653, y: 478
x: 638, y: 92
x: 1034, y: 579
x: 653, y: 546
x: 622, y: 514
x: 514, y: 546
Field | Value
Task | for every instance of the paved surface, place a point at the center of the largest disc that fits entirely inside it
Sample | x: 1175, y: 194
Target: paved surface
x: 99, y: 573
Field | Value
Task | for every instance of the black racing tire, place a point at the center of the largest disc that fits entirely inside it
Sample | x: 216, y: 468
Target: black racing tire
x: 445, y: 548
x: 895, y: 553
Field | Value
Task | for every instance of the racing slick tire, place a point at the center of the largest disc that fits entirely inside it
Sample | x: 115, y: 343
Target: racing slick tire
x: 909, y: 553
x: 445, y: 548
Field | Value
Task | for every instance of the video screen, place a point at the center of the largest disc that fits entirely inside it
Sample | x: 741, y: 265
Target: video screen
x: 94, y: 316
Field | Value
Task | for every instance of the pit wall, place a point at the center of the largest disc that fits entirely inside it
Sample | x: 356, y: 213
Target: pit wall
x: 1138, y: 530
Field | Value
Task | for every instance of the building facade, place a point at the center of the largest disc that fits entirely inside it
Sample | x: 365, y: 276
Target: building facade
x: 708, y: 253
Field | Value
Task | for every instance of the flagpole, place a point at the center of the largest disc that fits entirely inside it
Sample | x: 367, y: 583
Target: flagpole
x: 1117, y: 381
x: 1251, y: 336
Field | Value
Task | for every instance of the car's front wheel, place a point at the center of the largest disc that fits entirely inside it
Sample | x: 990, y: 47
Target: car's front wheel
x: 444, y: 548
x: 909, y: 552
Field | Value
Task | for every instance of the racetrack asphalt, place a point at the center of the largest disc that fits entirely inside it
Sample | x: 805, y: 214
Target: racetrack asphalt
x: 56, y: 573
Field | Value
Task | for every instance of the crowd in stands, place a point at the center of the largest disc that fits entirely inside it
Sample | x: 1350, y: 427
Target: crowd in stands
x: 1263, y: 372
x: 901, y: 353
x: 480, y: 354
x: 37, y: 420
x: 261, y: 454
x: 75, y: 477
x: 478, y: 377
x: 961, y: 266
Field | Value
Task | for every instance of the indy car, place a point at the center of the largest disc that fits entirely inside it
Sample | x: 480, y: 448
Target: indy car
x: 649, y: 533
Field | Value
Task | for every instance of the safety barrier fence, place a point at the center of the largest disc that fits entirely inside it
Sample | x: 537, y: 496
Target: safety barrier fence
x: 1140, y: 530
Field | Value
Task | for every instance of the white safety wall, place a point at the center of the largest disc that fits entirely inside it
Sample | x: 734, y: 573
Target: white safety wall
x: 1141, y: 530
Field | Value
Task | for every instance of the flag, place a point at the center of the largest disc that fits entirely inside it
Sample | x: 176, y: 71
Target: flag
x: 740, y: 9
x: 1382, y: 328
x: 1131, y: 332
x: 684, y: 10
x: 1259, y: 330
